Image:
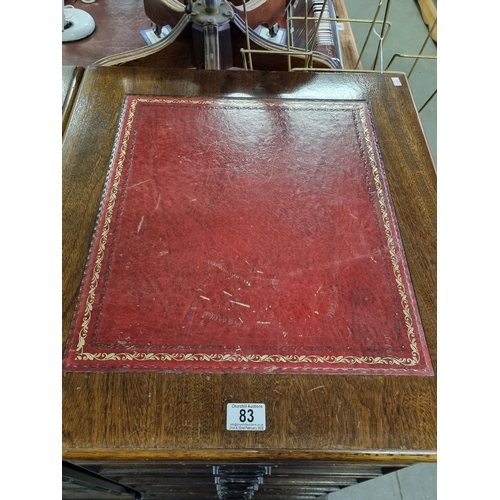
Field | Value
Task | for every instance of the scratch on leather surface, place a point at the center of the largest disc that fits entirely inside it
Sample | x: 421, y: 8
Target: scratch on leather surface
x: 232, y: 275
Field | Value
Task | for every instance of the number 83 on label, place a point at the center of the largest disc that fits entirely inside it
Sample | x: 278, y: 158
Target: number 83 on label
x: 246, y: 417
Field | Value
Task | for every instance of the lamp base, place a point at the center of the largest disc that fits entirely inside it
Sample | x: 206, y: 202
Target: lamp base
x: 80, y: 25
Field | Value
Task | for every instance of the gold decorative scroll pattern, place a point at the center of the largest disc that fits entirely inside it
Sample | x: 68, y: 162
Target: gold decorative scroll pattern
x: 81, y: 355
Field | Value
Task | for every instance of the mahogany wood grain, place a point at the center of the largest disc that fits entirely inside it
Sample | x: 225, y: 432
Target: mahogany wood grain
x: 164, y: 12
x: 118, y: 28
x: 160, y: 416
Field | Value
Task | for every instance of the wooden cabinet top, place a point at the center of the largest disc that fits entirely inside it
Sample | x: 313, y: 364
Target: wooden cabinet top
x: 166, y: 416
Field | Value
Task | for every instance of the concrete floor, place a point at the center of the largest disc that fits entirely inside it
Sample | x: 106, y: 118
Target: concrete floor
x: 407, y: 36
x: 417, y: 482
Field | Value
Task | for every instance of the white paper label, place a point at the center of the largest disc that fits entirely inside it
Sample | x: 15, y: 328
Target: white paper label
x: 246, y: 417
x: 396, y: 81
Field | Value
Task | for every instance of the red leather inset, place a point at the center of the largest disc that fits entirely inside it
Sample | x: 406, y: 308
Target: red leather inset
x: 247, y: 235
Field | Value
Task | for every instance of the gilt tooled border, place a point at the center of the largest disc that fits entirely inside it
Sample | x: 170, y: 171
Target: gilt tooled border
x: 81, y: 355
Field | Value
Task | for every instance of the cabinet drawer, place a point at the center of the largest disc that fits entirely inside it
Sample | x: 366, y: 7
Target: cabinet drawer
x: 287, y: 480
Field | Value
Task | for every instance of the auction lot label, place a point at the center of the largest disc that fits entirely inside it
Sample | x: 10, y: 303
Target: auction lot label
x: 246, y: 417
